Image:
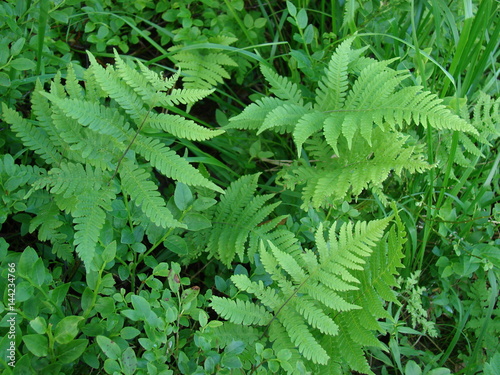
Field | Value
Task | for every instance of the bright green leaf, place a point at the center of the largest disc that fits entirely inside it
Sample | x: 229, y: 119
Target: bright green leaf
x: 302, y: 19
x: 110, y: 348
x: 37, y: 344
x: 67, y: 329
x: 39, y: 325
x: 17, y: 46
x: 71, y: 351
x: 196, y: 221
x: 129, y: 361
x: 182, y: 196
x: 22, y: 63
x: 109, y: 252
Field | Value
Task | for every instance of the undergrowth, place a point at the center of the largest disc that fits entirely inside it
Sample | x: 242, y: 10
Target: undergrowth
x: 249, y: 187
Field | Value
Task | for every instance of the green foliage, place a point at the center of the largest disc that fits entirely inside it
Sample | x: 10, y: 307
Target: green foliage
x: 362, y: 121
x: 75, y: 126
x: 486, y: 120
x: 318, y: 301
x: 204, y: 69
x: 139, y: 238
x: 239, y: 223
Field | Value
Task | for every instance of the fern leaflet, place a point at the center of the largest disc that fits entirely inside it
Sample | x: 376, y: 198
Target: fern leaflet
x: 315, y: 294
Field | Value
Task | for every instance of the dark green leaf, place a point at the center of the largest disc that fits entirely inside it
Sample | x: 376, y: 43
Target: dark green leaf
x: 17, y: 46
x: 26, y: 261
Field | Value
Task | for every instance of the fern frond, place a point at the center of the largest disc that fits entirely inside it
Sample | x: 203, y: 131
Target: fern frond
x: 267, y: 296
x: 156, y: 80
x: 72, y: 180
x: 226, y: 333
x: 485, y: 120
x: 98, y: 118
x: 169, y: 163
x: 358, y: 102
x: 47, y: 221
x: 119, y: 91
x: 185, y: 96
x: 137, y: 81
x: 334, y: 178
x: 282, y: 87
x: 86, y: 133
x: 136, y: 183
x: 33, y: 137
x: 14, y: 176
x: 332, y: 88
x: 304, y: 293
x: 72, y: 86
x: 283, y: 117
x: 56, y: 87
x: 236, y: 218
x: 181, y: 127
x: 253, y: 116
x: 301, y: 336
x: 269, y: 232
x: 48, y: 121
x: 241, y: 312
x: 307, y: 125
x: 90, y: 216
x: 203, y: 70
x: 281, y: 341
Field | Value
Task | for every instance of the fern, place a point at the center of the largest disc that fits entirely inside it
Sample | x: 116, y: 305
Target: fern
x: 84, y: 193
x: 145, y: 195
x: 236, y: 222
x: 15, y: 181
x: 486, y: 120
x: 362, y: 167
x: 318, y: 302
x: 359, y: 102
x: 33, y: 137
x: 203, y: 69
x: 93, y: 139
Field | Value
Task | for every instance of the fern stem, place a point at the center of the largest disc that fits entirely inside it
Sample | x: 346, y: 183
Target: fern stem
x: 129, y: 145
